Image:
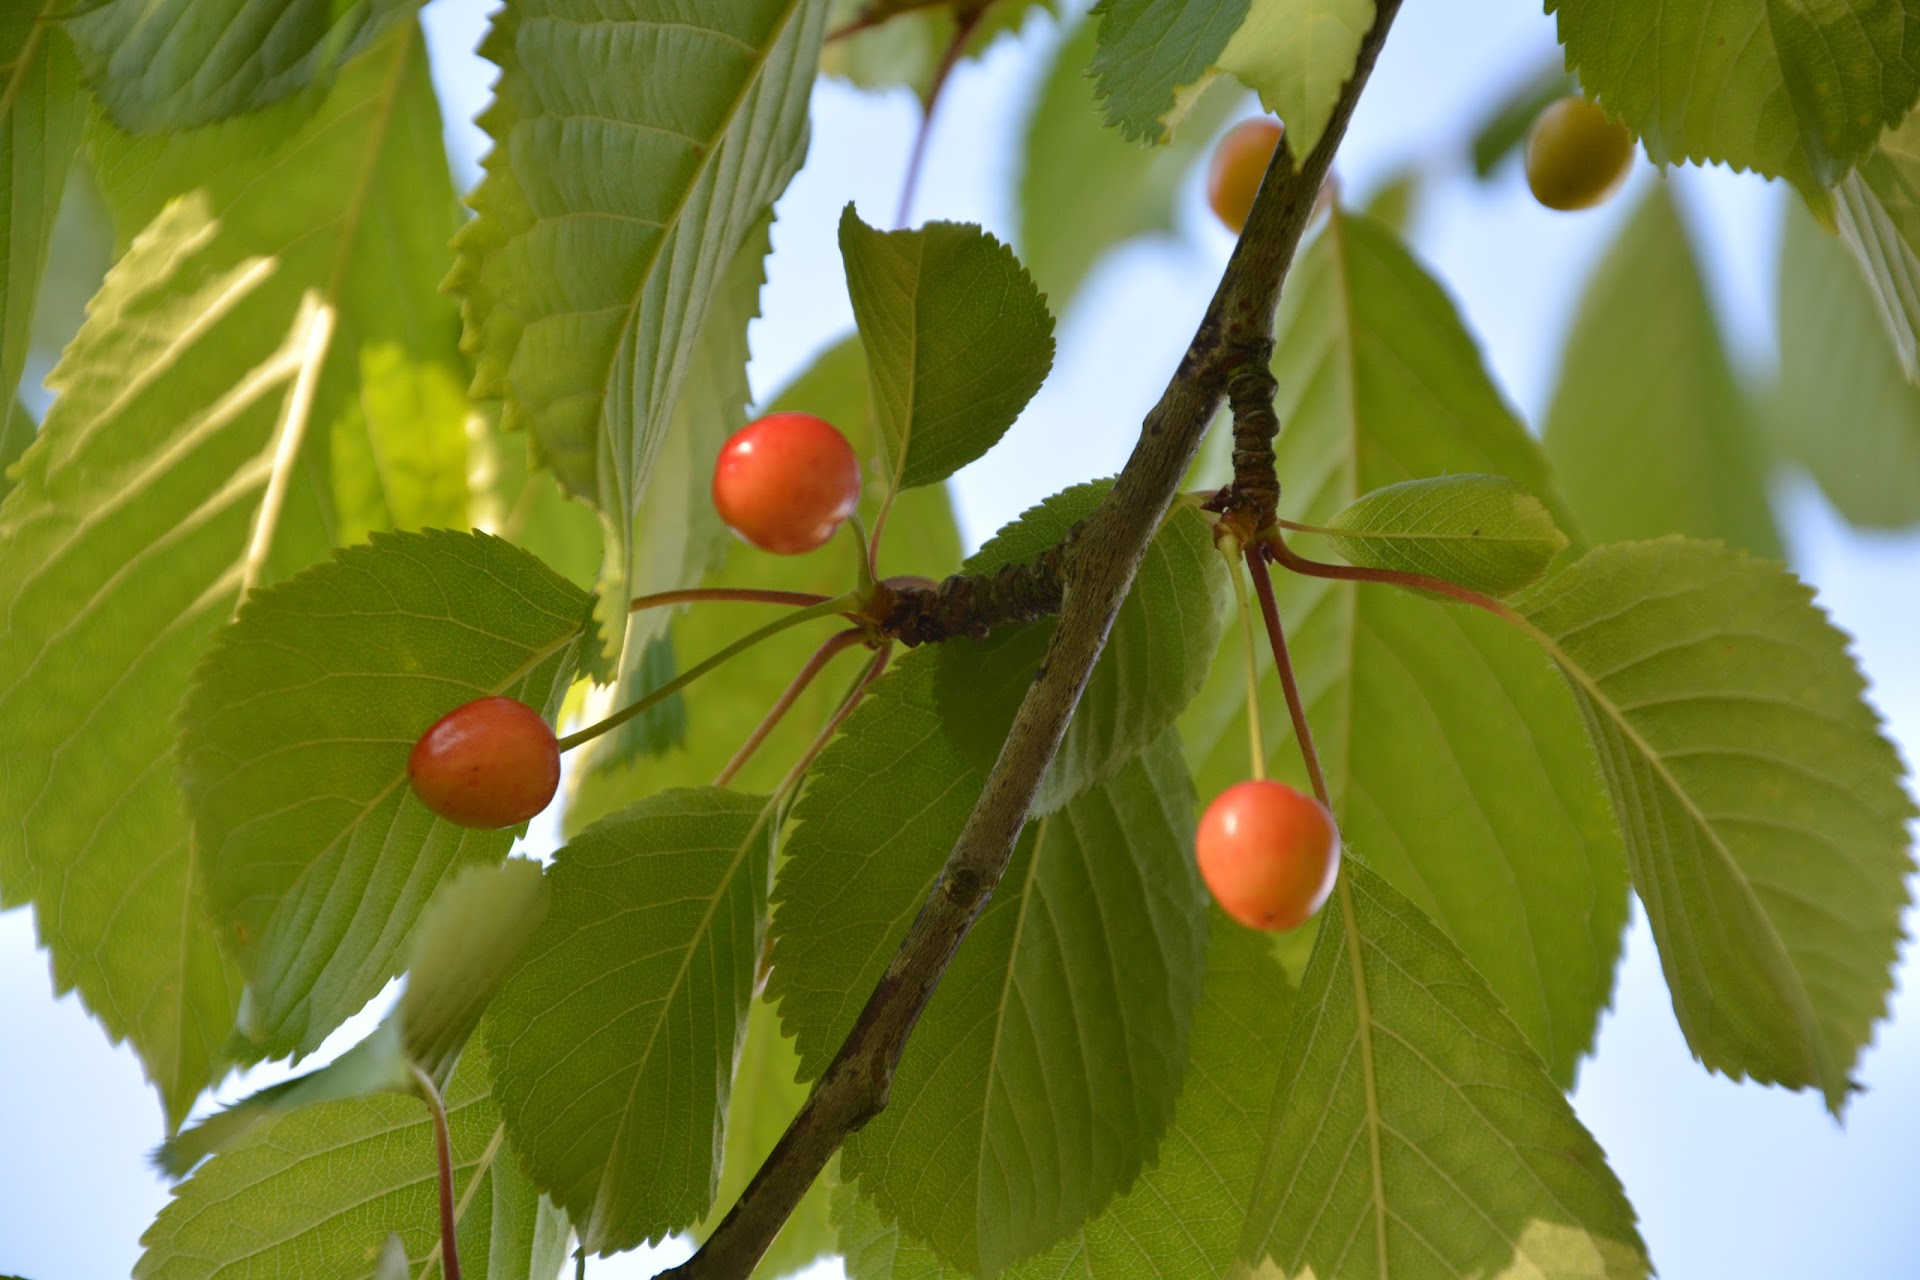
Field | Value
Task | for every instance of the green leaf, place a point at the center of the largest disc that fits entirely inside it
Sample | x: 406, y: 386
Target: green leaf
x: 293, y: 753
x: 1182, y: 1219
x: 16, y: 433
x: 524, y: 505
x: 1084, y: 189
x: 921, y: 538
x: 766, y: 1095
x: 1298, y: 55
x: 179, y: 467
x: 1458, y: 763
x: 1156, y: 657
x: 42, y: 108
x: 1847, y: 411
x: 1877, y: 207
x: 468, y: 939
x: 1484, y: 532
x: 315, y: 1192
x: 957, y: 341
x: 633, y: 158
x: 614, y: 1040
x: 1041, y: 1076
x: 1394, y: 1030
x: 166, y: 65
x: 1150, y: 50
x: 1648, y: 430
x: 1795, y: 89
x: 1765, y: 820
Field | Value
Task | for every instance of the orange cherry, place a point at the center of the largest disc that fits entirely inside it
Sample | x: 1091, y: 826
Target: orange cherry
x: 1239, y: 162
x: 1269, y: 853
x: 785, y: 482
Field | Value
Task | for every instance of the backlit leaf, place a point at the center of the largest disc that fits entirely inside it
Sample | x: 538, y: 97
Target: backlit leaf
x: 1298, y: 55
x: 1484, y: 532
x: 637, y: 148
x: 1150, y: 50
x: 314, y: 1193
x: 1795, y: 89
x: 1648, y: 431
x: 1877, y: 207
x: 957, y: 341
x: 613, y: 1043
x: 1765, y: 821
x: 1043, y: 1073
x: 160, y: 65
x: 294, y: 745
x: 180, y: 465
x: 1458, y: 764
x: 1414, y: 1130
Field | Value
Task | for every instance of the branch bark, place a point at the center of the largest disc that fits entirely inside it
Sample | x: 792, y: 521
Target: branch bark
x: 1097, y: 570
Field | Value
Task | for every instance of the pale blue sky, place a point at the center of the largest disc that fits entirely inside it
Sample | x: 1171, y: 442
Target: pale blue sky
x: 1729, y: 1180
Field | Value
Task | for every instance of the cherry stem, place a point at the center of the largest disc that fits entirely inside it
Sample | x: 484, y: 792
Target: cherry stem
x: 825, y: 609
x: 880, y: 529
x: 963, y: 32
x: 821, y: 657
x: 863, y: 567
x: 443, y: 1141
x: 1277, y: 548
x: 741, y: 595
x: 1263, y: 587
x: 1256, y: 741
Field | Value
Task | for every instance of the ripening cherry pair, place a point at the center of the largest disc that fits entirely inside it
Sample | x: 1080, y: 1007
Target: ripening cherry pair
x: 785, y: 483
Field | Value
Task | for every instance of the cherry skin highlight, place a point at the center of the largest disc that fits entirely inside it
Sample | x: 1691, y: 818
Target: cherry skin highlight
x: 1576, y: 156
x: 1239, y: 162
x: 785, y: 482
x: 1269, y: 853
x: 489, y: 763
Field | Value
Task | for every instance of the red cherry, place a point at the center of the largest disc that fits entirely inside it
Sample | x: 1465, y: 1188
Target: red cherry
x: 1269, y: 853
x: 492, y: 762
x: 1239, y: 162
x: 785, y: 482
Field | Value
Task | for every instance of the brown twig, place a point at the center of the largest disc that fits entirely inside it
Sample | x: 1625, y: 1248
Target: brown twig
x: 1097, y: 571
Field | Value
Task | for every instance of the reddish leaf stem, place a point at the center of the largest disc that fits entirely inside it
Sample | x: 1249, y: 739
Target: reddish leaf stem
x: 814, y: 665
x: 1277, y: 549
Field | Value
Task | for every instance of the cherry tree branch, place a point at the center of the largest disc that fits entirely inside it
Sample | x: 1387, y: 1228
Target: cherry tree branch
x: 1098, y: 567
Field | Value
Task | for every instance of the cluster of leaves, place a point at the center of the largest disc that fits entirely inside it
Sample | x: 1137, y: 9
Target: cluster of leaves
x: 224, y: 631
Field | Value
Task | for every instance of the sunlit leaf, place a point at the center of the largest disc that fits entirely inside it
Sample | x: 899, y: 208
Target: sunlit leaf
x: 1459, y: 767
x: 1485, y: 532
x: 1648, y: 431
x: 294, y: 745
x: 1298, y: 55
x: 1043, y: 1073
x: 1847, y: 411
x: 1150, y: 50
x: 1414, y: 1130
x: 160, y: 65
x: 1795, y: 89
x: 636, y: 151
x: 1765, y: 821
x: 614, y: 1041
x: 168, y: 478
